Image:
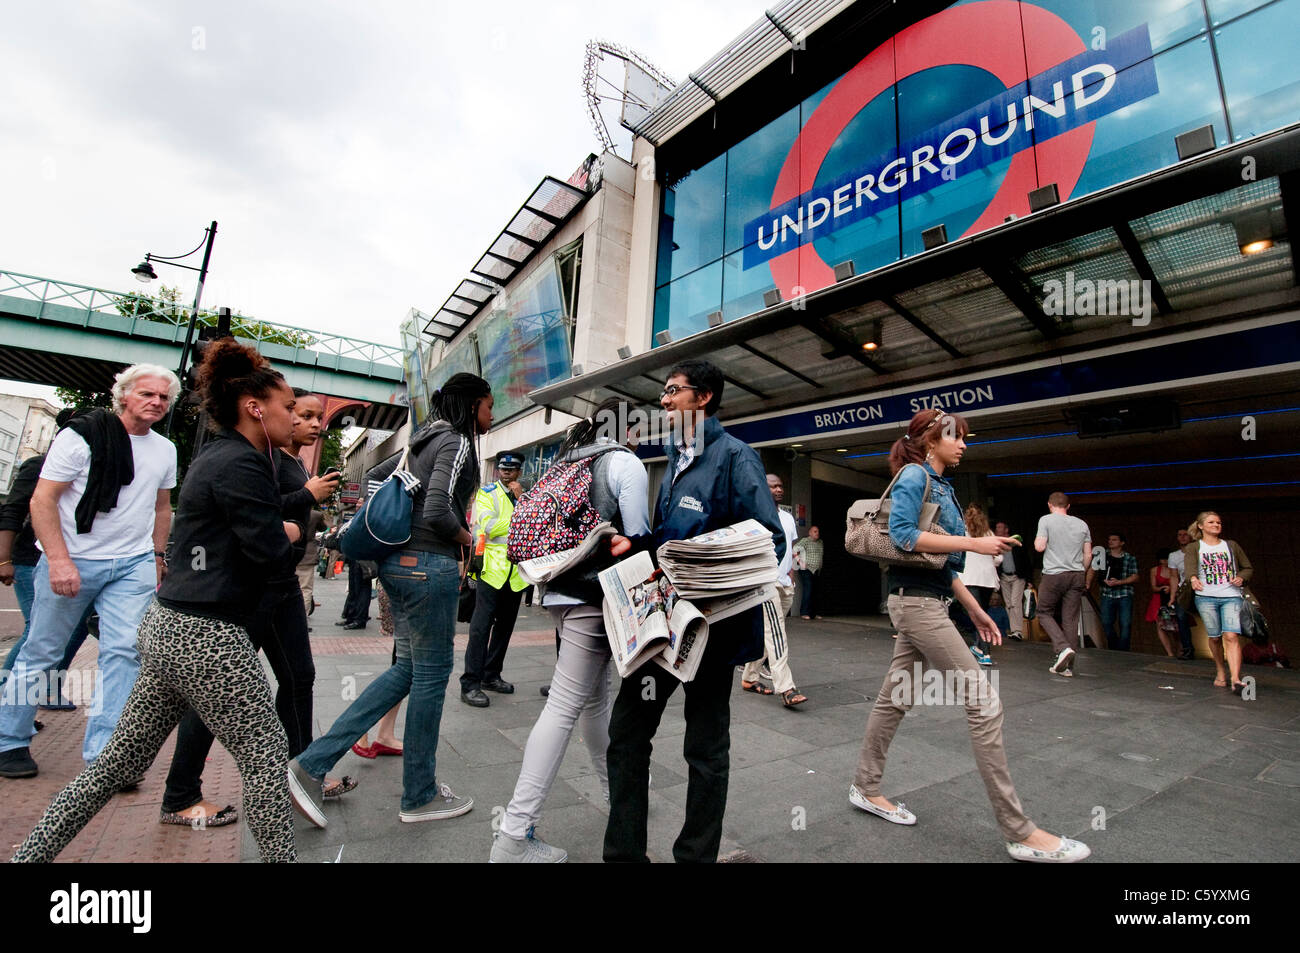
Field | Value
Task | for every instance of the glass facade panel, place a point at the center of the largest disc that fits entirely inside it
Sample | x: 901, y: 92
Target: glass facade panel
x: 683, y: 306
x: 1140, y: 138
x: 524, y: 344
x: 1221, y: 11
x: 690, y: 228
x: 752, y: 170
x: 1097, y: 21
x: 1261, y: 72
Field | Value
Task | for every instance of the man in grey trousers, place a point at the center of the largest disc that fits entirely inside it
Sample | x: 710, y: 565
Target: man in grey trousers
x: 1066, y: 545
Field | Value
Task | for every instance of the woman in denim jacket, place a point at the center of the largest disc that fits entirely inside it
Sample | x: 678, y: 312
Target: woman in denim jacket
x: 918, y: 607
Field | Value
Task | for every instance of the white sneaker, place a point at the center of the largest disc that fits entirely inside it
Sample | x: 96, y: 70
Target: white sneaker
x: 528, y: 850
x: 444, y: 805
x: 1069, y: 852
x: 1064, y: 662
x: 900, y: 815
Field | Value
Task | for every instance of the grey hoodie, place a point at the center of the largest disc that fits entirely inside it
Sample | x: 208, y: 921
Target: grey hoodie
x: 446, y: 465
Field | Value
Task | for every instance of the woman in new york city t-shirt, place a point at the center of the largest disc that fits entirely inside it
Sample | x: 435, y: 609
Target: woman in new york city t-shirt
x: 1218, y: 569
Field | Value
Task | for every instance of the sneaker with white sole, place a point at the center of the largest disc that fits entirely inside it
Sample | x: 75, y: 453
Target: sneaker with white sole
x: 1069, y: 852
x: 529, y: 849
x: 1064, y: 662
x: 445, y: 805
x: 306, y: 793
x: 900, y: 815
x: 980, y: 656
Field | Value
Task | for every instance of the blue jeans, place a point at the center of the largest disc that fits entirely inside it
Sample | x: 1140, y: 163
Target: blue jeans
x: 1219, y: 614
x: 23, y: 579
x: 23, y: 576
x: 1121, y: 610
x: 422, y: 589
x: 120, y: 590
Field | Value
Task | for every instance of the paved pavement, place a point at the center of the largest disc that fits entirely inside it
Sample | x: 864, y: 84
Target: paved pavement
x: 1140, y: 757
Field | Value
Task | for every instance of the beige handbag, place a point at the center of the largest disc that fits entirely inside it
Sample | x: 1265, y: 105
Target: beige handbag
x: 866, y: 534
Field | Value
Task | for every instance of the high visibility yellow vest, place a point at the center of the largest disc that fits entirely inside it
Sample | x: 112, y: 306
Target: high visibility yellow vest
x: 492, y: 512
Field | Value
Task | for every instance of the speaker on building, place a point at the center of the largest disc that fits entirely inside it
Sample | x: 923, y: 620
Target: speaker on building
x: 1150, y: 415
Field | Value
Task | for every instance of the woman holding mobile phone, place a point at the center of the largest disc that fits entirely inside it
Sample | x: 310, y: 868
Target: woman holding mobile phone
x: 918, y: 607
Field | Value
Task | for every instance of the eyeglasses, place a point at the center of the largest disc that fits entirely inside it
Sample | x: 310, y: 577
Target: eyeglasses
x: 672, y: 390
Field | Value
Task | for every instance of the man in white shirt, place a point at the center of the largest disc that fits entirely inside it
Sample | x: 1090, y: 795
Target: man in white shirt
x: 774, y: 614
x: 1176, y: 576
x: 101, y: 512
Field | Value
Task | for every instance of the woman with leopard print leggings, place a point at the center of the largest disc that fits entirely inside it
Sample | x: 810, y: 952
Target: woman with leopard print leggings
x: 194, y: 647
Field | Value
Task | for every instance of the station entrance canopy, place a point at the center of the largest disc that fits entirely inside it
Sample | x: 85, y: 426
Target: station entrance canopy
x: 1042, y: 299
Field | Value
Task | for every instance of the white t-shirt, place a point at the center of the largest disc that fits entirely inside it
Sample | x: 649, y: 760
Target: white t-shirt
x: 1176, y: 563
x: 791, y: 536
x: 127, y: 529
x: 1215, y: 569
x: 981, y: 570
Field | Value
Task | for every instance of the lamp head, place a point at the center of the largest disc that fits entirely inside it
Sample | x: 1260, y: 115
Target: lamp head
x: 144, y: 272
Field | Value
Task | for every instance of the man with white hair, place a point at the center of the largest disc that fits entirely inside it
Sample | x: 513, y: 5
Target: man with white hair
x: 101, y: 512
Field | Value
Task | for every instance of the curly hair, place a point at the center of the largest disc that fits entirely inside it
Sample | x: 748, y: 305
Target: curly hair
x: 229, y: 371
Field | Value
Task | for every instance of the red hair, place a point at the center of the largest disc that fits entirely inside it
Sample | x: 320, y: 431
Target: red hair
x: 926, y: 427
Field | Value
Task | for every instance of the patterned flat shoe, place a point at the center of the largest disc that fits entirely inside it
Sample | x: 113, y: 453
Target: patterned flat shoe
x: 340, y: 787
x: 1069, y: 852
x: 227, y: 815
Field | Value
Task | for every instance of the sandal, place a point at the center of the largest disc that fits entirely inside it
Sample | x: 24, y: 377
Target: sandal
x: 227, y: 815
x: 758, y: 688
x: 338, y: 788
x: 792, y: 698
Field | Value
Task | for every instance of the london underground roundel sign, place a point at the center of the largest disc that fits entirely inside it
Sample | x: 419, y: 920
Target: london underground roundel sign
x: 1056, y: 87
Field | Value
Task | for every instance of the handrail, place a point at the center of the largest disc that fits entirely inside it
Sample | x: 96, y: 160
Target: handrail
x: 90, y: 300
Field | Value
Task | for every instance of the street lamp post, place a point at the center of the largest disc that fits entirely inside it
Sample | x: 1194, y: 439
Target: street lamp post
x: 144, y: 272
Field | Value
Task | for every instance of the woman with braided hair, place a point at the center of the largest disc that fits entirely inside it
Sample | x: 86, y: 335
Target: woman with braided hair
x: 229, y: 537
x: 422, y: 581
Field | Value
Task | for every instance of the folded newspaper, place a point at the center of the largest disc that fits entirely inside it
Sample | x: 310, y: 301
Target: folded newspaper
x: 545, y: 568
x: 646, y: 619
x: 647, y: 613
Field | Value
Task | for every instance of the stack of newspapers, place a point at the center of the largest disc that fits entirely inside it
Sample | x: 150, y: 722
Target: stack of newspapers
x: 726, y: 561
x: 663, y: 615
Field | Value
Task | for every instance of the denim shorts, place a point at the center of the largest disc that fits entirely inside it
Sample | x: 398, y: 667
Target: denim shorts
x: 1220, y: 614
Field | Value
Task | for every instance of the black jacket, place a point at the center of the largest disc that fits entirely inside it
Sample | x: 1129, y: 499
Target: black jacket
x: 227, y: 539
x: 724, y: 484
x: 15, y: 512
x: 296, y: 505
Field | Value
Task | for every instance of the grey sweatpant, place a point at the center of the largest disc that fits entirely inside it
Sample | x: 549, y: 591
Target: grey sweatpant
x: 579, y: 692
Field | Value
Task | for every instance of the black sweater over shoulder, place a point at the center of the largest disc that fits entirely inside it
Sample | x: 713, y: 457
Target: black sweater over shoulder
x: 228, y: 536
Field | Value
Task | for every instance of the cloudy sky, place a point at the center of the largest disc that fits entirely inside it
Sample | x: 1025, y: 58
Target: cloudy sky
x: 357, y: 156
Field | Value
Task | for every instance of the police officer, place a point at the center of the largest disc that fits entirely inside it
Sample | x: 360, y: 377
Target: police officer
x: 500, y: 586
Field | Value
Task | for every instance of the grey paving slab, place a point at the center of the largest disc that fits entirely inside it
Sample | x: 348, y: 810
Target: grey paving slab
x: 1222, y: 775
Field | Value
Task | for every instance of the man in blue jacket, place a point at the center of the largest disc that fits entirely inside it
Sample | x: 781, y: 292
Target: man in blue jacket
x: 713, y: 480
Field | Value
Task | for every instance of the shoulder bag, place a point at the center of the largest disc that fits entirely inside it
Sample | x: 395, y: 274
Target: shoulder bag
x: 866, y: 534
x: 383, y: 524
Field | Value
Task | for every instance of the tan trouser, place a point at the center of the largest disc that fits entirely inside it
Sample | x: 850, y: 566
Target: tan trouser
x: 927, y: 636
x: 306, y: 582
x: 778, y: 652
x: 1013, y: 598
